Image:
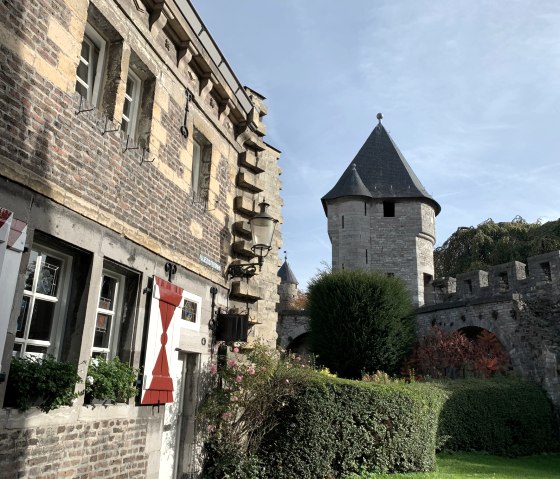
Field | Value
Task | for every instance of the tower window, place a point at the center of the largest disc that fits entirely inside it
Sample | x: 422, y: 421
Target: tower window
x: 546, y: 271
x: 366, y: 257
x: 365, y: 208
x: 343, y: 221
x: 503, y: 281
x: 468, y: 284
x: 389, y: 209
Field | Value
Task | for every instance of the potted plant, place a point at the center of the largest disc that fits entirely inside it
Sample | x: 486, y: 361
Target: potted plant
x: 110, y: 381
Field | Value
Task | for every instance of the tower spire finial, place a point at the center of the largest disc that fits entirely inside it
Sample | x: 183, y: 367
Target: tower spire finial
x: 285, y: 256
x: 380, y: 117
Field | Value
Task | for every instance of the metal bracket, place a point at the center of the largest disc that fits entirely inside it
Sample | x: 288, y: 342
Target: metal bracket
x: 246, y: 271
x: 105, y: 127
x: 127, y: 147
x: 142, y: 160
x: 80, y: 109
x: 170, y: 269
x: 183, y: 129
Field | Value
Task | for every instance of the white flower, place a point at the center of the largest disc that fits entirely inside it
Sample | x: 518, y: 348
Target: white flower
x: 89, y: 380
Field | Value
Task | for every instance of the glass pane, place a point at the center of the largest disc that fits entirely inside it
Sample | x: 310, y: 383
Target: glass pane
x: 49, y: 276
x: 82, y: 72
x: 41, y: 320
x: 102, y: 331
x: 85, y: 51
x: 107, y: 295
x: 129, y: 87
x: 126, y: 108
x: 81, y: 89
x: 35, y: 351
x: 30, y: 270
x: 22, y: 318
x: 189, y: 311
x: 16, y: 350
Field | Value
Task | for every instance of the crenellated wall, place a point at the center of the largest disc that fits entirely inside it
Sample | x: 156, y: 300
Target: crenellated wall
x: 518, y: 303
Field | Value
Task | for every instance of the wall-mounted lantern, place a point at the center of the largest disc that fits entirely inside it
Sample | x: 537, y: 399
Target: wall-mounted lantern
x: 262, y: 231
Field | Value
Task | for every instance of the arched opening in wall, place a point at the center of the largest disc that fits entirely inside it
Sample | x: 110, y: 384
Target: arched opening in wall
x: 488, y: 351
x: 300, y: 345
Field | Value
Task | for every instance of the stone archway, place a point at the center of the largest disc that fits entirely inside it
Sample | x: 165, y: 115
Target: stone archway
x: 300, y: 345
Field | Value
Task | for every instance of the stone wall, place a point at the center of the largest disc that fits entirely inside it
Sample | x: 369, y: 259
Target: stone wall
x: 96, y: 443
x: 522, y: 310
x: 362, y: 238
x: 102, y: 198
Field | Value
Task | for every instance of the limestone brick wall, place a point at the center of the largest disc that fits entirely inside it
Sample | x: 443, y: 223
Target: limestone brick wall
x: 291, y: 325
x: 96, y: 444
x: 68, y: 170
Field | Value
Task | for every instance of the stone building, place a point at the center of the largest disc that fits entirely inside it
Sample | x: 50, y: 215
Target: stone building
x: 380, y: 217
x: 131, y: 159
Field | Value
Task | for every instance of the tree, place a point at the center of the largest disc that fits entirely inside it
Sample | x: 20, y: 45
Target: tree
x: 361, y: 322
x: 493, y: 243
x: 453, y: 354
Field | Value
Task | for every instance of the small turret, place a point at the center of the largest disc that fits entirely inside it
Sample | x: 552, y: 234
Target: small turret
x: 288, y: 288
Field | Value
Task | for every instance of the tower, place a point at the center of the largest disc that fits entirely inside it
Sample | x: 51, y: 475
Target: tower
x: 380, y: 217
x: 288, y: 287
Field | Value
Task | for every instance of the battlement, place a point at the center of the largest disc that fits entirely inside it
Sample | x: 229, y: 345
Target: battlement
x: 542, y: 273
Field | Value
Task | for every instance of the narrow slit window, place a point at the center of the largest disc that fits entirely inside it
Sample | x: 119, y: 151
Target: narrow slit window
x: 342, y: 221
x: 389, y: 209
x: 468, y: 286
x: 366, y: 257
x: 545, y: 267
x: 504, y: 281
x: 365, y: 208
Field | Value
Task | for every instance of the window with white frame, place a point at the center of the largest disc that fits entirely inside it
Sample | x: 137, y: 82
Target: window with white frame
x: 190, y: 311
x: 39, y: 324
x: 108, y: 314
x: 90, y: 66
x: 131, y: 104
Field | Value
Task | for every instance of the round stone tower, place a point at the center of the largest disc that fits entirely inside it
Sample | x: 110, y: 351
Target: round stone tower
x: 381, y: 218
x: 288, y: 287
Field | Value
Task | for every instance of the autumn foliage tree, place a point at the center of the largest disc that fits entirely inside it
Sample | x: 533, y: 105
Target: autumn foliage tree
x: 454, y: 355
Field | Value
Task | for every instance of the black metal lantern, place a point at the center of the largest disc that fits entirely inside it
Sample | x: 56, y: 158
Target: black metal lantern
x: 262, y: 231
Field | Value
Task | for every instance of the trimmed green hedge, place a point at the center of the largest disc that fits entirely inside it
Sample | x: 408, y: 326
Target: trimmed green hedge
x: 335, y: 427
x: 501, y: 416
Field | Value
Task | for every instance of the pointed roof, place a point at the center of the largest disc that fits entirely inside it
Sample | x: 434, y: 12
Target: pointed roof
x: 286, y: 274
x: 379, y: 170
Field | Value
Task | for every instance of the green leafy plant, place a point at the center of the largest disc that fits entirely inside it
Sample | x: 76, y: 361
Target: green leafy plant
x: 241, y: 409
x: 110, y: 380
x: 360, y: 322
x: 42, y: 382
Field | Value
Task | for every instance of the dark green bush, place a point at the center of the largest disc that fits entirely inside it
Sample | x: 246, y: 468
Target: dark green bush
x: 501, y: 416
x: 360, y: 322
x: 335, y: 427
x: 110, y: 380
x: 45, y: 383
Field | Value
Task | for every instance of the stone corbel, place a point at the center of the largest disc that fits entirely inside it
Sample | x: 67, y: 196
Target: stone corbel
x: 184, y: 53
x: 206, y: 84
x: 159, y: 16
x: 225, y: 109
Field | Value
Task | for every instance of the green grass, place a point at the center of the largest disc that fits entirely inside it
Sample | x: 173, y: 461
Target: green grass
x: 481, y: 466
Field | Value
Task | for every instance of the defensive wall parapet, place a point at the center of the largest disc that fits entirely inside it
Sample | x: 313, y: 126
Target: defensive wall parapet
x: 520, y: 304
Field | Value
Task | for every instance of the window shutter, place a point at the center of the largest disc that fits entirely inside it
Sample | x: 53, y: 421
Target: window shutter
x: 165, y: 312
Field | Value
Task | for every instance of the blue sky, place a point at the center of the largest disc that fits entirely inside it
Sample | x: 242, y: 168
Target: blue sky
x: 469, y: 90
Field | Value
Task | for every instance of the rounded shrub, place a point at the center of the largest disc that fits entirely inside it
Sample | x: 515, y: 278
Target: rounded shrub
x: 360, y: 322
x: 503, y: 416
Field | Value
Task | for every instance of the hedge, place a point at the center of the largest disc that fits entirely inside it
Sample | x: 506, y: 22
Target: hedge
x: 335, y: 427
x: 502, y: 416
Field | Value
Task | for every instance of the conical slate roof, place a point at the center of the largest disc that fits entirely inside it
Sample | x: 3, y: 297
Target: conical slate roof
x: 379, y: 170
x: 286, y: 274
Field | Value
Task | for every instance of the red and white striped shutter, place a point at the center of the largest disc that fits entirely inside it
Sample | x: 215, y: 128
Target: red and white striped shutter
x: 165, y: 314
x: 13, y: 234
x: 5, y: 225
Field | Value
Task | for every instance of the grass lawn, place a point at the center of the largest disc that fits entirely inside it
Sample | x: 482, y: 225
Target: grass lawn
x: 480, y: 466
